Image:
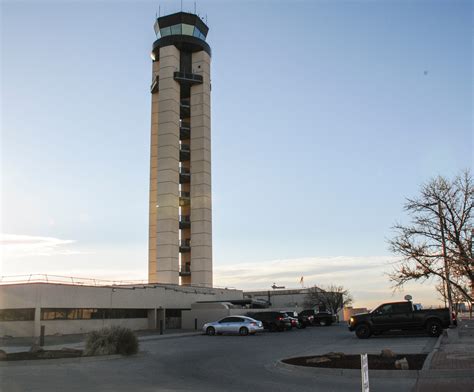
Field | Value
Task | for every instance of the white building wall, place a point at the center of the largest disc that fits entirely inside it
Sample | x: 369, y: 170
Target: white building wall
x: 154, y: 298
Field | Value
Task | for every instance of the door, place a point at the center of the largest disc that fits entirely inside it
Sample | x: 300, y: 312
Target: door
x: 224, y: 325
x: 403, y: 315
x: 382, y: 316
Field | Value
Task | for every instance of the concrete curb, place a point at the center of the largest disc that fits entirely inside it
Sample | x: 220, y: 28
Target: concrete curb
x: 169, y: 336
x: 429, y: 358
x: 348, y: 372
x: 355, y: 373
x: 57, y: 361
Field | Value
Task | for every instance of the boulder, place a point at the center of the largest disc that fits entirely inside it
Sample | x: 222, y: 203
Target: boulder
x: 3, y: 355
x: 318, y: 360
x: 386, y: 353
x: 402, y: 364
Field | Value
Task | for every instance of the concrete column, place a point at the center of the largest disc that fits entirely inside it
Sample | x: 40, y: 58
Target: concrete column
x: 167, y: 178
x: 152, y: 319
x: 37, y: 327
x: 153, y: 200
x: 161, y: 318
x: 201, y: 206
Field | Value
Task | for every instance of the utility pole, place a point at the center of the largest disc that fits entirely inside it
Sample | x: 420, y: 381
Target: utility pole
x: 446, y: 267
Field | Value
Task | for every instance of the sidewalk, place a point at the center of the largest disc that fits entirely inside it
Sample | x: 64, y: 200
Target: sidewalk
x: 452, y: 363
x: 78, y: 341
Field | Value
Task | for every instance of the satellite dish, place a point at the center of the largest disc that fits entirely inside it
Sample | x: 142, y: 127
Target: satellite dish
x: 408, y: 297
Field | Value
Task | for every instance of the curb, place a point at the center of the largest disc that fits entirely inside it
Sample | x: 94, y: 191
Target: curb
x: 355, y: 373
x: 349, y: 372
x: 169, y: 336
x: 429, y: 358
x: 56, y: 361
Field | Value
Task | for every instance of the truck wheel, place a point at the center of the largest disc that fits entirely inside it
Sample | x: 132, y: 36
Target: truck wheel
x: 363, y: 331
x: 434, y: 328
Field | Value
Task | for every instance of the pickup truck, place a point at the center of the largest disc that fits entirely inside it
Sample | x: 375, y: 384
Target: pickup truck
x: 399, y: 316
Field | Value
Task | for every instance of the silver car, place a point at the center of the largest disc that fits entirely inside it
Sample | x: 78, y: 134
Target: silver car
x: 233, y: 324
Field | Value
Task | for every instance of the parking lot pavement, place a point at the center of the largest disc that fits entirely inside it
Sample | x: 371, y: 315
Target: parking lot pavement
x: 217, y: 363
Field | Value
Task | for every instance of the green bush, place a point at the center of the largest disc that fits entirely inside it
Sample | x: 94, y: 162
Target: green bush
x: 113, y: 340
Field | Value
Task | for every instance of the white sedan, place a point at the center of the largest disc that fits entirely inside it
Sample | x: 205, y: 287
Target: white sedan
x: 241, y: 325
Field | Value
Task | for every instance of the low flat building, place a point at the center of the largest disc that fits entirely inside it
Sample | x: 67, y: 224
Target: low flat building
x: 292, y: 299
x: 72, y: 308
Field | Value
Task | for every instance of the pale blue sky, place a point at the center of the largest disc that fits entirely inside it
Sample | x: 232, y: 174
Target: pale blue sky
x: 323, y: 120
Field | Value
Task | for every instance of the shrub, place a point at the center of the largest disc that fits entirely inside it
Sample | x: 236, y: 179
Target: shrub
x: 113, y: 340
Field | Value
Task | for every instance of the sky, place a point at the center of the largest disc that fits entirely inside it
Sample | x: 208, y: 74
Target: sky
x: 326, y: 115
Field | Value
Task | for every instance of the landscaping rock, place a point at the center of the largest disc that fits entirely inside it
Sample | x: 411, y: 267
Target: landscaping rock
x: 402, y: 364
x: 3, y: 355
x: 318, y: 360
x: 386, y: 353
x: 35, y: 348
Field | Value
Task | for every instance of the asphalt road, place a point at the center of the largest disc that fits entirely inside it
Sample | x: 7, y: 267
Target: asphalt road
x: 217, y: 363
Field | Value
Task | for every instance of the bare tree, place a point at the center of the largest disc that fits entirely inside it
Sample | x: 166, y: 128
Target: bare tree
x: 333, y: 298
x: 444, y: 208
x: 457, y: 296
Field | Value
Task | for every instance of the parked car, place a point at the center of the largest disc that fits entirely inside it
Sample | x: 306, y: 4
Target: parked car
x: 399, y: 316
x: 301, y: 321
x: 319, y: 318
x: 241, y: 325
x: 273, y: 321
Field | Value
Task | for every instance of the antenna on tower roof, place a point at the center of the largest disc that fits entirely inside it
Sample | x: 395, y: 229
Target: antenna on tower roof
x: 206, y: 18
x: 181, y: 5
x: 159, y: 10
x: 195, y: 13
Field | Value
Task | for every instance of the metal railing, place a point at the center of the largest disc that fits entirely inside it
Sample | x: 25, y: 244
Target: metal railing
x: 184, y: 195
x: 185, y: 218
x: 184, y: 170
x: 188, y: 77
x: 59, y: 279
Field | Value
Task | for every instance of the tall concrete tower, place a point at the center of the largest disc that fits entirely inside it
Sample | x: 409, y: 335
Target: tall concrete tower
x: 180, y: 217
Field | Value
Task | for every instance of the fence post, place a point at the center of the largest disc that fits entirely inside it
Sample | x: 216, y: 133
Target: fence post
x: 195, y: 324
x: 161, y: 327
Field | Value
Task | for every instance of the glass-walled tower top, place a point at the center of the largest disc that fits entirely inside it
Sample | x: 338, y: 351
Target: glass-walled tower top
x: 184, y: 30
x: 181, y: 23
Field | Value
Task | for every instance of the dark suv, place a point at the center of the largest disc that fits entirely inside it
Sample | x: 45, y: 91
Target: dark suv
x: 273, y: 321
x: 319, y: 318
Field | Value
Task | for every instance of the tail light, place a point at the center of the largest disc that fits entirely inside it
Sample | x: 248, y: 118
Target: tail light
x: 280, y: 318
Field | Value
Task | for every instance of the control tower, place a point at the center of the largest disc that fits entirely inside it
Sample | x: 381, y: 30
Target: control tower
x: 180, y: 212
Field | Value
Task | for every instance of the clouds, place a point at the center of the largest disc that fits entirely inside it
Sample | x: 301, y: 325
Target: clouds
x: 365, y: 277
x: 17, y: 246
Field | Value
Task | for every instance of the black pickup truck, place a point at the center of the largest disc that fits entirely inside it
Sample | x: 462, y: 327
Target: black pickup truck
x: 399, y: 316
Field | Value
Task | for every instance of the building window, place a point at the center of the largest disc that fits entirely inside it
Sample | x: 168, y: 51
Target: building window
x: 188, y: 29
x: 91, y: 314
x: 17, y: 314
x: 197, y: 33
x: 165, y: 31
x: 176, y: 29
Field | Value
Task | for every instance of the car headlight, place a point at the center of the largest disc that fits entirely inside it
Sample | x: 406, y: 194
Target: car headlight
x: 351, y: 321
